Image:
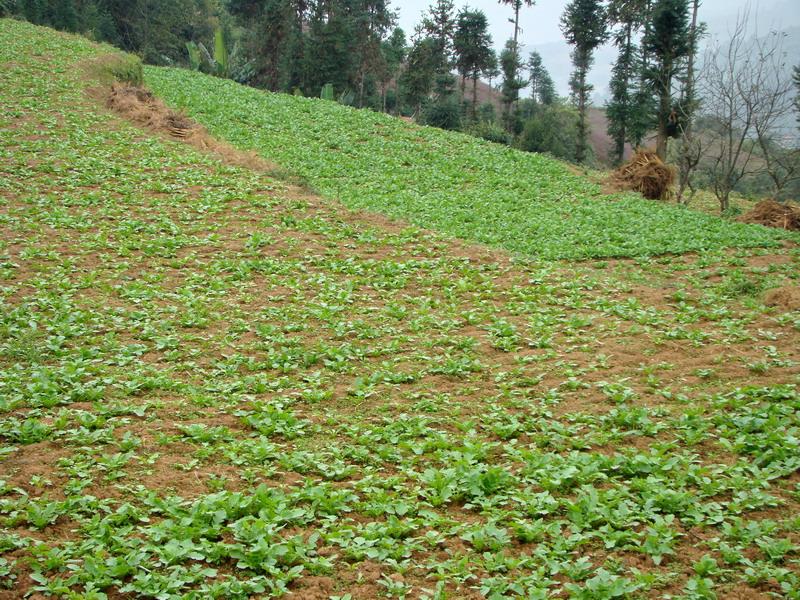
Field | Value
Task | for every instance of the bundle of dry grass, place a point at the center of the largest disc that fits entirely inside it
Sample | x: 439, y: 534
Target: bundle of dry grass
x: 773, y: 214
x: 142, y: 107
x: 644, y: 173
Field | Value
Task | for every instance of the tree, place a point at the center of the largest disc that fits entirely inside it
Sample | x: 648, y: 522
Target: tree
x: 551, y: 128
x: 394, y: 53
x: 627, y: 16
x: 543, y: 89
x: 796, y: 78
x: 690, y: 147
x: 584, y: 26
x: 746, y: 89
x: 668, y: 42
x: 774, y: 104
x: 271, y: 31
x: 473, y: 46
x: 439, y: 25
x: 492, y: 70
x: 416, y: 80
x: 517, y: 6
x: 510, y: 66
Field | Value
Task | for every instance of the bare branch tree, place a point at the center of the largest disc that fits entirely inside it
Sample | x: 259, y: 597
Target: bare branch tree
x: 772, y: 118
x: 744, y: 92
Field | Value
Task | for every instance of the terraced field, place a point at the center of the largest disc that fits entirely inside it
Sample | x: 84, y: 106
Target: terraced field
x: 217, y: 385
x: 460, y: 185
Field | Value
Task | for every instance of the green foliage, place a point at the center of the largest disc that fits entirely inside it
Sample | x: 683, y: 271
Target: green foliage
x: 495, y: 202
x: 125, y: 68
x: 668, y: 41
x: 221, y: 59
x: 489, y: 131
x: 551, y: 129
x: 584, y: 27
x: 327, y: 92
x: 543, y: 89
x: 473, y: 48
x: 195, y: 59
x: 510, y: 66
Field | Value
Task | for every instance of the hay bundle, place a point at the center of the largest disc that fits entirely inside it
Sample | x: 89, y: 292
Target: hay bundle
x: 773, y: 214
x: 142, y: 107
x: 644, y: 173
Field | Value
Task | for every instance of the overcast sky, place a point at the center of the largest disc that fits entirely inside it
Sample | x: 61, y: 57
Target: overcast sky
x: 540, y: 30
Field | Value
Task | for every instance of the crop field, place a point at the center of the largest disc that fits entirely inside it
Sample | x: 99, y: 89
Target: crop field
x: 214, y: 384
x: 460, y: 185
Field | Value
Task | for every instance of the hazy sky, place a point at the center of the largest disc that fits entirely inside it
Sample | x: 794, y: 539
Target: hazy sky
x: 540, y: 29
x: 540, y: 23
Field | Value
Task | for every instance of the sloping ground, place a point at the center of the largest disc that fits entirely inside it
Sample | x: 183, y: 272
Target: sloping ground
x: 216, y: 386
x: 460, y: 185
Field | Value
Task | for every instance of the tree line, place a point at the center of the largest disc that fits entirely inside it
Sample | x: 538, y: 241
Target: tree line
x: 353, y: 52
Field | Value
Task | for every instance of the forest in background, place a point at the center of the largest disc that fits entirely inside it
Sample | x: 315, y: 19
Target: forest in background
x: 720, y: 118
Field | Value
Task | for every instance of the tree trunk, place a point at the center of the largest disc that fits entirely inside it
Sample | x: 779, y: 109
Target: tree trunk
x: 664, y: 112
x: 688, y: 161
x: 580, y: 148
x: 475, y: 98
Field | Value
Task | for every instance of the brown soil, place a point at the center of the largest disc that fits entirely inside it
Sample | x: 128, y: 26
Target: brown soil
x: 645, y: 173
x: 773, y: 214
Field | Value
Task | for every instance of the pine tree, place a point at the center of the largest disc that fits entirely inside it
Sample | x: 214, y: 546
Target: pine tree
x: 667, y: 42
x: 416, y: 80
x: 543, y: 89
x: 628, y: 16
x: 517, y: 6
x: 440, y: 25
x: 492, y: 70
x: 584, y: 26
x: 472, y: 45
x: 510, y: 66
x: 394, y: 54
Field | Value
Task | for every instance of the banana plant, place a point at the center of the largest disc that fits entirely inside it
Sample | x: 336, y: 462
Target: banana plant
x: 200, y: 59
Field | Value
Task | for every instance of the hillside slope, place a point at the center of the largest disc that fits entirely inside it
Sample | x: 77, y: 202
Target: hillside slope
x: 214, y: 385
x: 462, y: 186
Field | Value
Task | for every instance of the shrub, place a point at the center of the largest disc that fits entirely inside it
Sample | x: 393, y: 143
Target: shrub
x: 491, y: 132
x: 444, y: 113
x: 551, y: 129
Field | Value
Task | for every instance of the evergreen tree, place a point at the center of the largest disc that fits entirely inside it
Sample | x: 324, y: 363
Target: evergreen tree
x: 394, y: 54
x: 510, y: 66
x: 627, y: 16
x: 516, y: 62
x: 517, y: 6
x: 492, y: 70
x: 584, y: 26
x: 416, y: 80
x: 440, y: 25
x: 667, y: 42
x: 472, y: 45
x: 270, y: 31
x: 543, y: 89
